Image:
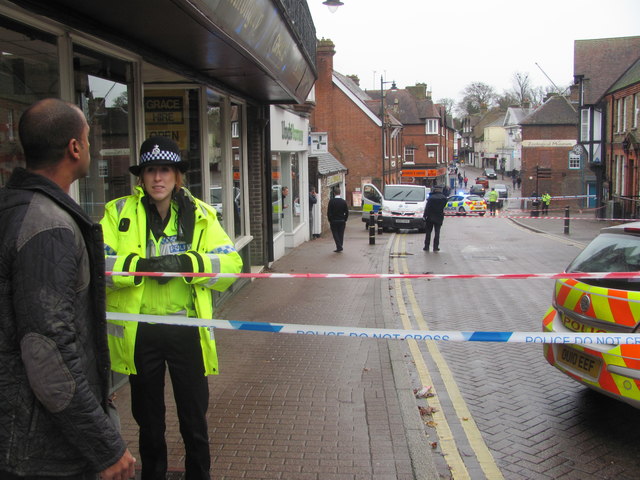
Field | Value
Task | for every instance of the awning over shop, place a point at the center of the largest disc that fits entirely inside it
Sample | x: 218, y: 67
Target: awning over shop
x: 328, y: 164
x: 255, y: 48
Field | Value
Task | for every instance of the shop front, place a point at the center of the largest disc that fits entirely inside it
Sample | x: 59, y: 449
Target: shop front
x: 183, y: 72
x: 289, y: 179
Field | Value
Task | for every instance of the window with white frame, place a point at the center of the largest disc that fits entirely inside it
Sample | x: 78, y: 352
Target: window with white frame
x: 584, y: 125
x: 431, y: 126
x: 597, y: 125
x: 618, y: 115
x: 409, y: 154
x: 636, y: 111
x: 625, y: 109
x: 574, y: 161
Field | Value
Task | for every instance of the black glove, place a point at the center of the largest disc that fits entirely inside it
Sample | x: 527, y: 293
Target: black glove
x: 164, y: 263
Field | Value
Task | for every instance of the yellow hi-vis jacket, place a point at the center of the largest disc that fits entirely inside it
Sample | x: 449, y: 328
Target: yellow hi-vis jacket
x: 126, y: 241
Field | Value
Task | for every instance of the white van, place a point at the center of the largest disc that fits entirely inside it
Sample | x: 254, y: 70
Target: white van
x: 402, y: 205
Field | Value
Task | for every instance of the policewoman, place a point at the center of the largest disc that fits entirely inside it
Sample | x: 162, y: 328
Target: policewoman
x: 163, y: 228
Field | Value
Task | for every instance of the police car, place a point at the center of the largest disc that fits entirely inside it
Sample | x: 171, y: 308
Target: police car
x: 607, y: 305
x: 463, y: 204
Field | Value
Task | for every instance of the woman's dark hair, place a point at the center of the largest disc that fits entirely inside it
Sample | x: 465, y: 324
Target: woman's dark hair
x: 45, y: 130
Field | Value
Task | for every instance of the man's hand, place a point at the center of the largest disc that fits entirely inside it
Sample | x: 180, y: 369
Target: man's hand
x: 122, y: 470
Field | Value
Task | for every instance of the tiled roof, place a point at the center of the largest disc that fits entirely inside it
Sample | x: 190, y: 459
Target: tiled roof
x: 630, y: 77
x: 328, y: 164
x: 601, y: 62
x: 407, y: 108
x: 516, y: 114
x: 555, y: 111
x: 352, y: 86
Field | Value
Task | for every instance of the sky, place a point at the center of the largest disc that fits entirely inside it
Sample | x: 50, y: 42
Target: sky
x: 450, y: 44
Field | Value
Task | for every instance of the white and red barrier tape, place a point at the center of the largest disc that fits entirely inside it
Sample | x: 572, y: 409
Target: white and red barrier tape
x: 495, y: 276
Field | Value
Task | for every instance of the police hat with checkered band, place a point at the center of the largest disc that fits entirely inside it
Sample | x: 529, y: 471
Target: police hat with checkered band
x: 159, y: 151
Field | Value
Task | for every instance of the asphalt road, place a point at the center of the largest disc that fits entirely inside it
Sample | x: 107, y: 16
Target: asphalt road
x: 501, y: 410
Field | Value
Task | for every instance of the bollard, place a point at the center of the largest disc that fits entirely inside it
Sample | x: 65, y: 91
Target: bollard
x: 372, y: 229
x: 379, y: 221
x: 566, y: 220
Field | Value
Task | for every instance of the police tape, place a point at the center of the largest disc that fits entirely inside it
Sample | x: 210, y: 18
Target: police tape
x: 433, y: 276
x: 386, y: 333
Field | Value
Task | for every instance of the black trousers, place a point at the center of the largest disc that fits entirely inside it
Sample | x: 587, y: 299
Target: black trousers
x: 337, y: 229
x: 429, y: 227
x: 159, y: 346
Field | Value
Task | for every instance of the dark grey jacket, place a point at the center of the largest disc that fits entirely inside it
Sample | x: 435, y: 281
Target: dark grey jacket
x: 337, y: 210
x: 54, y: 361
x: 434, y: 211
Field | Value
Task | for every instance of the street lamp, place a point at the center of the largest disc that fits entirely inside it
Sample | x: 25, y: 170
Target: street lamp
x: 333, y: 5
x: 382, y: 116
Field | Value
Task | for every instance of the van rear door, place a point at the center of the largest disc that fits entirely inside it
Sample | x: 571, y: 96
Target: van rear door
x: 371, y: 200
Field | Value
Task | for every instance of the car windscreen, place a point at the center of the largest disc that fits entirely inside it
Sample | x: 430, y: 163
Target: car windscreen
x: 404, y: 193
x: 474, y: 198
x: 610, y: 252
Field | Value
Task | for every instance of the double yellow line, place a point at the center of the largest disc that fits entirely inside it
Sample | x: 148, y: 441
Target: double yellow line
x: 447, y: 442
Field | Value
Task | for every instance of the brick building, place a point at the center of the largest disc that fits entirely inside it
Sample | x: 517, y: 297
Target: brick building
x: 623, y: 143
x: 548, y: 137
x: 604, y: 77
x: 344, y: 111
x: 428, y: 134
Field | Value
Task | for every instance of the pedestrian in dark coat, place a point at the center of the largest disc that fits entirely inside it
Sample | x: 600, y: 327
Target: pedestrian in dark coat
x: 434, y: 217
x: 337, y: 213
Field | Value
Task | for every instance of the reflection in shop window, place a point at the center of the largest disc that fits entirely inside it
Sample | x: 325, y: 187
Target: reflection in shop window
x: 214, y: 152
x: 28, y: 72
x: 277, y: 207
x: 102, y: 86
x: 103, y: 168
x: 175, y: 113
x: 295, y: 190
x: 237, y: 146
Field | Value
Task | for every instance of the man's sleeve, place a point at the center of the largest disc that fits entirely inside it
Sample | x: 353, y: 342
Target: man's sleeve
x: 47, y: 273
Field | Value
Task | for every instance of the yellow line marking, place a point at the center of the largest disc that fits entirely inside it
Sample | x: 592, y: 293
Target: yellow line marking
x: 483, y: 454
x: 446, y: 440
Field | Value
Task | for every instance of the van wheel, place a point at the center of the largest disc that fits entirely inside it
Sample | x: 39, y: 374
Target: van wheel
x: 481, y: 214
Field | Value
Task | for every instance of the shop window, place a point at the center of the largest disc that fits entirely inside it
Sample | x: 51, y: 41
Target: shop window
x: 102, y: 86
x: 214, y: 157
x: 237, y: 156
x: 28, y: 72
x: 278, y: 197
x: 175, y: 113
x: 290, y: 190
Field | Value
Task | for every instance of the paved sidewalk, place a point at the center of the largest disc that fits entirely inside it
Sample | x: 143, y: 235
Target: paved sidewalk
x: 303, y: 406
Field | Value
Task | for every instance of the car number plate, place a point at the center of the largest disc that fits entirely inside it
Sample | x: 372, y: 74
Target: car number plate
x: 579, y: 361
x: 402, y: 220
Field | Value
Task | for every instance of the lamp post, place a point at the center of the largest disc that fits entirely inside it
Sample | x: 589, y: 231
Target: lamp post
x: 382, y: 117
